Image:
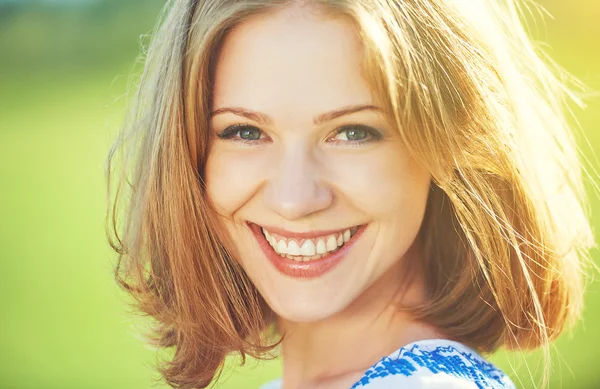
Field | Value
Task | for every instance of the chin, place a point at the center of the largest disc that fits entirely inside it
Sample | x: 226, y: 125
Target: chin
x: 309, y: 307
x: 307, y: 313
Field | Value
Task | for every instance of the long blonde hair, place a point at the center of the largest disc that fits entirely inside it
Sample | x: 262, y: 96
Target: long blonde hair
x: 506, y: 228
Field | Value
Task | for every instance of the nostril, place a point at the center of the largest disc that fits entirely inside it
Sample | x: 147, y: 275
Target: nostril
x: 292, y: 196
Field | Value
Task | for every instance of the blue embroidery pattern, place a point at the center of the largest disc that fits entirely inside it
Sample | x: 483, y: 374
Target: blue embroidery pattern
x: 443, y: 359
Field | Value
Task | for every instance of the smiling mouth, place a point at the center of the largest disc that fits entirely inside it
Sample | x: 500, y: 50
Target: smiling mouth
x: 308, y: 249
x: 306, y: 254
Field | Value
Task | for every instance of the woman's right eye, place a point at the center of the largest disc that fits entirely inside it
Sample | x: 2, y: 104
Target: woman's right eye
x: 241, y: 132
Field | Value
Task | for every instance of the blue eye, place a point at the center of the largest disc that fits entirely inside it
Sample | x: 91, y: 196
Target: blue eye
x: 356, y: 133
x: 242, y: 132
x: 249, y: 133
x: 350, y: 134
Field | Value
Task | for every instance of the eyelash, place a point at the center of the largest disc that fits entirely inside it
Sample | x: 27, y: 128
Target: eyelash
x: 231, y: 132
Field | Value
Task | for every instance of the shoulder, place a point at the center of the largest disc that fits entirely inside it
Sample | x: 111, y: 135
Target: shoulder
x: 434, y: 364
x: 275, y: 384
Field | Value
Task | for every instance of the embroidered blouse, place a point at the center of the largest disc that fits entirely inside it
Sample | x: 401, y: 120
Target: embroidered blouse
x: 429, y: 364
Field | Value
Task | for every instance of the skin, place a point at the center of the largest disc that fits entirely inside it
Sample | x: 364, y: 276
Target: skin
x: 293, y: 66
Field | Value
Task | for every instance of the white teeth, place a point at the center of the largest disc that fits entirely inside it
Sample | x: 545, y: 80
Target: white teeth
x: 267, y: 235
x: 308, y: 248
x: 311, y: 249
x: 321, y: 247
x: 293, y: 248
x: 331, y: 243
x: 346, y: 236
x: 281, y: 247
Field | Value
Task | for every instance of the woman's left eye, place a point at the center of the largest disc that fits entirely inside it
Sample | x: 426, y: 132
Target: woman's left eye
x: 356, y: 133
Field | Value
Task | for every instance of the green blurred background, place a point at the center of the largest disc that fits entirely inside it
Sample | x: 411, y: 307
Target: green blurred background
x: 64, y: 70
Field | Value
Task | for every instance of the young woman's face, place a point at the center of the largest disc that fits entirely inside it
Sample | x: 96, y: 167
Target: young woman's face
x: 301, y: 151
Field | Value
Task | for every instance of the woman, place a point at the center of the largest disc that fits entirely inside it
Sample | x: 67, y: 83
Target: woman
x: 386, y: 190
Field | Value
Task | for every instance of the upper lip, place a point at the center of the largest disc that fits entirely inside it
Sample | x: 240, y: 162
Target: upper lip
x: 302, y: 235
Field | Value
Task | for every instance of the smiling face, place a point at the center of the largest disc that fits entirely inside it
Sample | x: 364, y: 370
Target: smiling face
x: 315, y: 188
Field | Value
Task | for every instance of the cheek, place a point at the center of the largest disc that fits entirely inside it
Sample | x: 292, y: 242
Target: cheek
x: 383, y: 183
x: 233, y: 177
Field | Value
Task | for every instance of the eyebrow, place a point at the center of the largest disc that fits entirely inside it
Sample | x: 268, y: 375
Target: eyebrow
x: 319, y: 119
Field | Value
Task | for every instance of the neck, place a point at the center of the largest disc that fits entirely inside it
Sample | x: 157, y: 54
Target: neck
x: 336, y: 351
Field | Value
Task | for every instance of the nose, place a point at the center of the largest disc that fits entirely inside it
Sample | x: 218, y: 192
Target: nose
x: 295, y: 189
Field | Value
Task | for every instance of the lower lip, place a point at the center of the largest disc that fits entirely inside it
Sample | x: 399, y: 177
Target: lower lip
x: 308, y: 269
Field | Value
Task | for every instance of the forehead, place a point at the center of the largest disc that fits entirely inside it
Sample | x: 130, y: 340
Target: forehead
x: 291, y: 61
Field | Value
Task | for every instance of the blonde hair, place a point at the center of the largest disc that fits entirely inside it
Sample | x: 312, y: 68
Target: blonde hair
x: 506, y: 227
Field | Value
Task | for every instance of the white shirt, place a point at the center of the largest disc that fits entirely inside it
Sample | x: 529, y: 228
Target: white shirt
x: 429, y: 364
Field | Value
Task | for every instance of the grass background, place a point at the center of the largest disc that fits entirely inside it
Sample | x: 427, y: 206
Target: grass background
x: 64, y: 68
